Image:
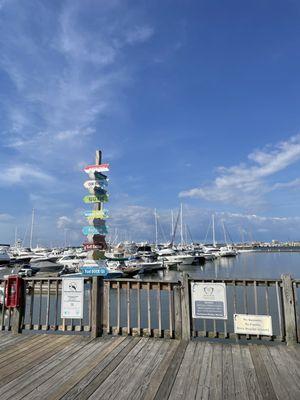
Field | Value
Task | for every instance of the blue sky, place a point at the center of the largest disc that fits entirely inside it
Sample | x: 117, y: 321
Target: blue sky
x: 194, y: 102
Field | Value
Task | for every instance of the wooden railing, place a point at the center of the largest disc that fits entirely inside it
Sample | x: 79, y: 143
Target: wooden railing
x: 156, y: 308
x: 40, y: 310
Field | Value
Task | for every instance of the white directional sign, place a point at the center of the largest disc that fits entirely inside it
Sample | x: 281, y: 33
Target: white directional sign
x: 253, y: 324
x: 209, y: 300
x: 72, y: 297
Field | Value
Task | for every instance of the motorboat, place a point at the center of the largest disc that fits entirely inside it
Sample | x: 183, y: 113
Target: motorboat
x: 228, y: 251
x: 4, y: 257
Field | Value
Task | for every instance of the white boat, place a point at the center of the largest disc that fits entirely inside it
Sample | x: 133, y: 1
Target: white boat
x: 4, y: 257
x: 227, y: 251
x: 184, y: 259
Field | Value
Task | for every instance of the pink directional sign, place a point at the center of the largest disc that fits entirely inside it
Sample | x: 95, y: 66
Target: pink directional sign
x: 96, y: 168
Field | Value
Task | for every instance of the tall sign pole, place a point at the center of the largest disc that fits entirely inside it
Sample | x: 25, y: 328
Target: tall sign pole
x: 96, y: 230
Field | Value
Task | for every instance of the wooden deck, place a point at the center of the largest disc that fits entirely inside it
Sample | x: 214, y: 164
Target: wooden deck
x: 73, y: 367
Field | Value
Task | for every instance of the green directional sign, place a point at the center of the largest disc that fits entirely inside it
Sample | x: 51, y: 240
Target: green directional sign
x: 96, y: 199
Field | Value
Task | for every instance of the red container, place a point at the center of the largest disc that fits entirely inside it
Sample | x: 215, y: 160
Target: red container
x: 13, y: 291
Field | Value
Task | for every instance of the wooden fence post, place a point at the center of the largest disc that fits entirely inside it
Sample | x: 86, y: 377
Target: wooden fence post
x: 18, y: 312
x: 97, y: 306
x: 185, y: 307
x: 177, y: 312
x: 289, y: 310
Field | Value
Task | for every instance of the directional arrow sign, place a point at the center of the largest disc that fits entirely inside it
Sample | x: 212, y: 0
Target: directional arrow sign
x: 94, y: 271
x: 93, y: 230
x: 101, y: 214
x: 91, y: 184
x: 96, y: 199
x: 96, y: 168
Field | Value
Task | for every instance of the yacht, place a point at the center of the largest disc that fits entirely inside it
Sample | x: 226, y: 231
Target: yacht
x: 227, y: 251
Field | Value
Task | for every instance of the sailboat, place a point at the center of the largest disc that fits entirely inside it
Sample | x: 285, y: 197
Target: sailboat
x: 228, y: 250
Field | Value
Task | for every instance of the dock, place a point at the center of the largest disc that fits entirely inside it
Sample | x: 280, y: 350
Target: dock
x: 52, y: 367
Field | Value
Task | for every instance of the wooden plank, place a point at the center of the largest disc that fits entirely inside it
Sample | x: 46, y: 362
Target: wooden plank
x: 216, y: 379
x: 37, y: 357
x: 203, y: 387
x: 293, y: 369
x: 264, y: 381
x: 238, y: 372
x: 23, y: 385
x: 166, y: 385
x: 44, y: 383
x: 177, y: 312
x: 275, y: 376
x: 228, y: 378
x: 96, y: 377
x: 123, y: 372
x: 159, y: 373
x: 178, y: 387
x: 142, y: 368
x: 185, y: 307
x: 21, y: 349
x: 83, y: 370
x: 289, y: 381
x: 250, y: 374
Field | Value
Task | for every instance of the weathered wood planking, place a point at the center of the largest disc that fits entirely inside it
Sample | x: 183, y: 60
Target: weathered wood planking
x: 55, y: 367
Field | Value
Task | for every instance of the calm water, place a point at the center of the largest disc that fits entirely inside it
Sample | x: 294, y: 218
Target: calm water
x: 245, y: 265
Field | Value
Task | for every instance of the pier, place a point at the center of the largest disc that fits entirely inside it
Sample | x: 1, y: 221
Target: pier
x: 140, y: 340
x: 53, y: 367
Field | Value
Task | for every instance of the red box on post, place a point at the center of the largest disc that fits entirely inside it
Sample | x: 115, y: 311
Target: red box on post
x: 13, y: 291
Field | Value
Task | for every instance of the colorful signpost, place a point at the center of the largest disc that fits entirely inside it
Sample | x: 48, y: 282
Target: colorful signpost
x: 95, y: 232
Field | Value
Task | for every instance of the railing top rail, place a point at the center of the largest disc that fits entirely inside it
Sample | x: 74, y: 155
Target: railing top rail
x: 234, y: 280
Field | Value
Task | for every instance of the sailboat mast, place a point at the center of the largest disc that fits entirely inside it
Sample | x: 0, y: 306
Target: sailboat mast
x: 181, y: 225
x: 156, y: 227
x: 224, y: 231
x: 172, y: 223
x: 31, y: 229
x: 213, y: 230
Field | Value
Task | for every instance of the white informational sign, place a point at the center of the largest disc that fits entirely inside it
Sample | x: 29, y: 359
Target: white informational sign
x: 209, y: 300
x: 246, y: 324
x: 72, y: 297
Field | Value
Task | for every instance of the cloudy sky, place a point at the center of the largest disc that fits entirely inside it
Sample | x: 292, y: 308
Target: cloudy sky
x: 193, y: 102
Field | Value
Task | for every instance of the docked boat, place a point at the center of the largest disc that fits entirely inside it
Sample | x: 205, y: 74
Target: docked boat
x: 184, y: 259
x: 227, y: 251
x: 4, y: 257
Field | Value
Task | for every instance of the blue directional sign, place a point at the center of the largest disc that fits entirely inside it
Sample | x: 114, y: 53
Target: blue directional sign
x: 94, y: 271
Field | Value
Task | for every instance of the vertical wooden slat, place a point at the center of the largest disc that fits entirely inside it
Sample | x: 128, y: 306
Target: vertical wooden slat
x: 279, y: 311
x: 31, y: 305
x: 48, y: 305
x: 56, y: 306
x: 170, y: 310
x: 118, y: 307
x: 267, y: 298
x: 3, y: 308
x: 128, y: 309
x: 237, y: 336
x: 139, y: 308
x: 255, y: 297
x: 9, y: 319
x: 177, y: 312
x: 159, y: 309
x: 40, y: 305
x: 108, y: 308
x: 225, y: 323
x: 246, y: 302
x: 289, y: 310
x: 149, y: 308
x: 297, y: 310
x: 90, y: 305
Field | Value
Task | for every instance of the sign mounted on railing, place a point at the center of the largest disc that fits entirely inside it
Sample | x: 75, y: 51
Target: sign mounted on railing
x: 245, y: 324
x: 72, y: 297
x: 209, y: 300
x: 94, y: 230
x: 94, y: 271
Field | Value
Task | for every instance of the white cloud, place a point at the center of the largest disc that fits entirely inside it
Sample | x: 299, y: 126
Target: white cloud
x: 139, y: 34
x: 24, y: 174
x: 246, y: 184
x: 63, y: 222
